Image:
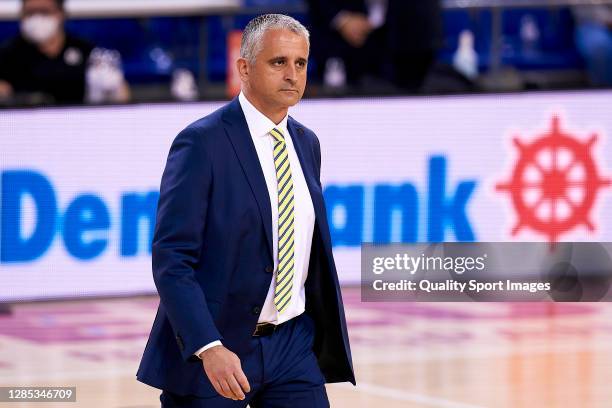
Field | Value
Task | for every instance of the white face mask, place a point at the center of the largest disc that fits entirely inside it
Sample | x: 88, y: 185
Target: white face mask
x: 39, y: 28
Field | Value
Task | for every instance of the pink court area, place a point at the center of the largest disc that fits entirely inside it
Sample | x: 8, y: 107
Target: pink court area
x: 448, y: 355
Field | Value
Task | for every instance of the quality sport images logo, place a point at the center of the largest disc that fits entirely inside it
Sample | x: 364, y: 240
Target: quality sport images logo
x: 555, y: 181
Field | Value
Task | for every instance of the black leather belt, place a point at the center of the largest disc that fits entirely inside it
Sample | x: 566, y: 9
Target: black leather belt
x: 265, y: 329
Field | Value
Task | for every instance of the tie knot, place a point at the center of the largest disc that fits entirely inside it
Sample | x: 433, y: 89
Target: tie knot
x: 277, y: 135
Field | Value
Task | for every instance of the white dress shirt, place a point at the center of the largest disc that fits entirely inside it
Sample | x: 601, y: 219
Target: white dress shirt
x: 259, y: 128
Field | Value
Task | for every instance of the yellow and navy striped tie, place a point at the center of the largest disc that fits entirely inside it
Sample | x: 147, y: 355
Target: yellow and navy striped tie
x: 284, y: 274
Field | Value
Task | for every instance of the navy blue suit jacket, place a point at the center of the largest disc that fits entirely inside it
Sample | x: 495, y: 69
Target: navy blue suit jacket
x: 212, y: 254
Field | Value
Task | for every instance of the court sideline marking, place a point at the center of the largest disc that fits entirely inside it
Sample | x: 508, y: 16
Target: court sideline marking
x: 394, y: 393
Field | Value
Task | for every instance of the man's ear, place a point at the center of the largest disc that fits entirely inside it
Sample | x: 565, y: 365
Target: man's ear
x: 243, y: 69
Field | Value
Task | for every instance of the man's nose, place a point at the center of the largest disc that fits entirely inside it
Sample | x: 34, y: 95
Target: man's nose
x: 291, y: 73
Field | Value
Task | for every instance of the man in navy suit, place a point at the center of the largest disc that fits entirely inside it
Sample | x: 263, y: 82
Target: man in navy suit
x: 250, y: 306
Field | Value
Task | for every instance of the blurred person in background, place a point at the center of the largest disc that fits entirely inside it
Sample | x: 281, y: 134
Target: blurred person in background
x: 45, y: 60
x: 392, y: 40
x: 594, y: 41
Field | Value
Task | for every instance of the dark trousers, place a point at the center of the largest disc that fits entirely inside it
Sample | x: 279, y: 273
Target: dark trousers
x: 282, y: 372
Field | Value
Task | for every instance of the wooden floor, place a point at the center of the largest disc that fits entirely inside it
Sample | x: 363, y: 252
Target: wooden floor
x: 461, y: 355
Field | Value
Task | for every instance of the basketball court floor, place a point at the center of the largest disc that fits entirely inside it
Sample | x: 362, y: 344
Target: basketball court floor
x: 447, y: 355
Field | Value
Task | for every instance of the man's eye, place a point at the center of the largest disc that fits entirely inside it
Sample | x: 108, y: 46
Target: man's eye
x: 278, y: 62
x: 301, y: 64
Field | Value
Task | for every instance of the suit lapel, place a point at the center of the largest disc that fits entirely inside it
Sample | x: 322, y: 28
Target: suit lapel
x: 237, y: 131
x: 302, y: 150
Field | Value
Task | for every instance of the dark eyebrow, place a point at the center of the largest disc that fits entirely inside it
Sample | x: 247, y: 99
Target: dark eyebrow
x: 280, y: 57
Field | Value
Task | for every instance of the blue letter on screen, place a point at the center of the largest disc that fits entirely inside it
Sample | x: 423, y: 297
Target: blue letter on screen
x: 349, y: 200
x: 388, y: 199
x: 86, y: 214
x: 16, y: 185
x: 449, y: 211
x: 135, y: 206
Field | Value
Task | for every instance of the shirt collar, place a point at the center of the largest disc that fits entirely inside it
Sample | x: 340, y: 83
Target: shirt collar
x: 259, y: 124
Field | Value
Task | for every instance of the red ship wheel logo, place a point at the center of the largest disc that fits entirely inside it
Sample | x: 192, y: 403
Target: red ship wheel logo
x: 562, y: 195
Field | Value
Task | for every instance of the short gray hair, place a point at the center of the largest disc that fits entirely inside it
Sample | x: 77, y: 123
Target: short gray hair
x: 253, y: 33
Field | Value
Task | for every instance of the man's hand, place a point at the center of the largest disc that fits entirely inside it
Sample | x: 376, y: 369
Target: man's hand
x: 354, y: 27
x: 225, y: 372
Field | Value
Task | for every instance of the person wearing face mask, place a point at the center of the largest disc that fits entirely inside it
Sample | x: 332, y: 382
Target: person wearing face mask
x: 45, y: 60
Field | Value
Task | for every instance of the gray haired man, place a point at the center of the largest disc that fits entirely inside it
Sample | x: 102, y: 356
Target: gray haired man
x: 250, y: 305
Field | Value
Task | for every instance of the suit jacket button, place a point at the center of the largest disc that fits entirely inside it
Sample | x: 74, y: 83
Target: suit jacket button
x: 256, y: 310
x: 269, y: 269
